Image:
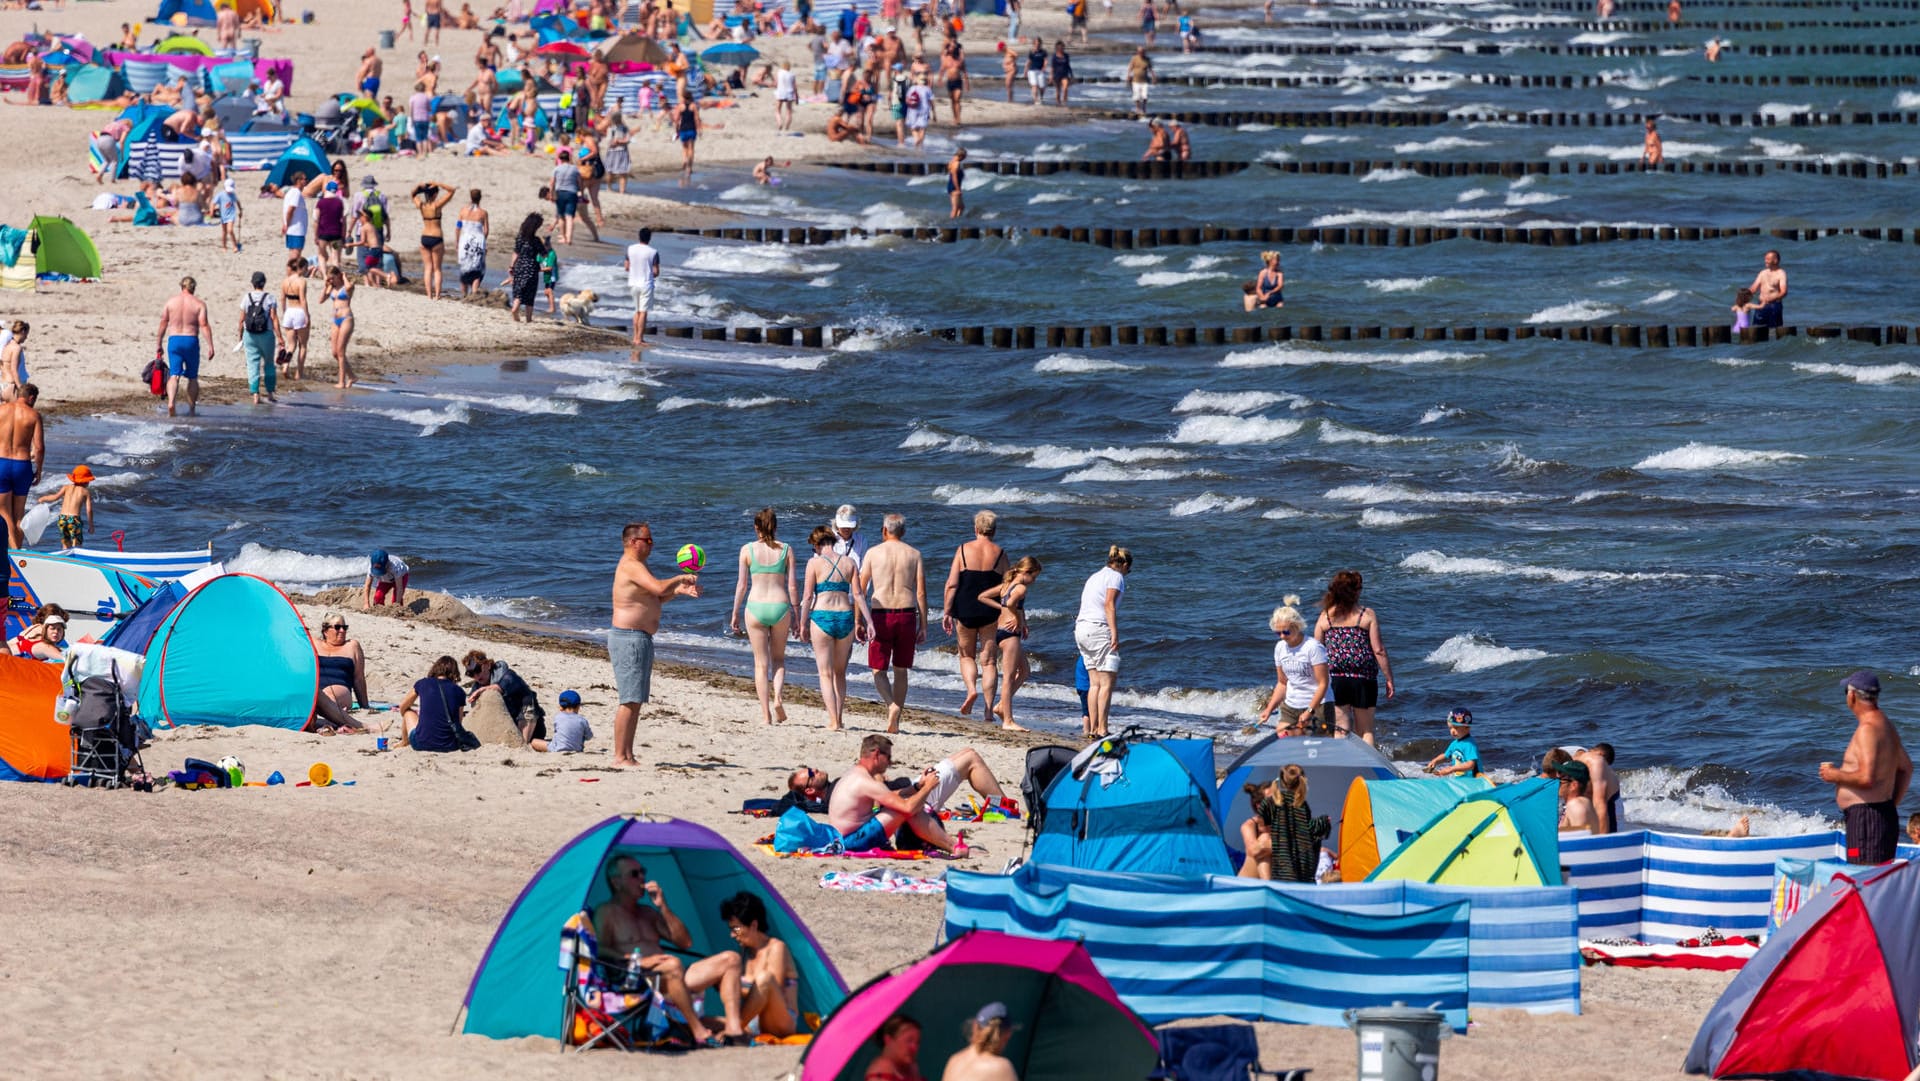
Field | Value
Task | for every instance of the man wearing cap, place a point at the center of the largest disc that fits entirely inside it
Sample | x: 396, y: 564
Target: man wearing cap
x: 384, y: 573
x: 1872, y: 777
x: 1576, y: 799
x: 846, y: 527
x: 983, y: 1058
x: 1604, y: 786
x: 1462, y: 756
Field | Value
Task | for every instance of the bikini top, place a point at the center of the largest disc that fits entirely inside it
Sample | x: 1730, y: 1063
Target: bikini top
x: 778, y: 566
x: 832, y: 585
x: 341, y: 295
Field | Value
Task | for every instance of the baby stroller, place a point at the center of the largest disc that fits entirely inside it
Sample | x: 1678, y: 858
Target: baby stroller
x: 96, y: 686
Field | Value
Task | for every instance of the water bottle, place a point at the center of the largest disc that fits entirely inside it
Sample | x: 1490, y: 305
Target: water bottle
x: 63, y: 709
x: 632, y: 981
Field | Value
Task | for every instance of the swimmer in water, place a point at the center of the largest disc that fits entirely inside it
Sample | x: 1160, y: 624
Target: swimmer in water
x: 1269, y: 288
x: 957, y: 183
x: 763, y: 172
x: 1651, y: 153
x: 1713, y: 50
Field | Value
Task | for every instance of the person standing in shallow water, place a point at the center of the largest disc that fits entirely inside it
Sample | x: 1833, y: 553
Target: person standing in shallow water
x: 957, y: 183
x: 1356, y: 654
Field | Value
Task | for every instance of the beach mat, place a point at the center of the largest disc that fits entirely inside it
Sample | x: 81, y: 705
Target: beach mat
x: 1724, y: 955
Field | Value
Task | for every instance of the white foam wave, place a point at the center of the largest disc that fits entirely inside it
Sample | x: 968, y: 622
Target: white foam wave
x: 1139, y: 260
x: 1387, y: 519
x: 429, y: 420
x: 1399, y: 493
x: 1659, y: 298
x: 1596, y: 37
x: 1631, y: 151
x: 1233, y: 431
x: 1441, y: 412
x: 1210, y: 503
x: 1434, y: 562
x: 288, y: 567
x: 1578, y: 311
x: 582, y: 469
x: 675, y: 404
x: 1669, y: 797
x: 1773, y: 148
x: 1331, y: 432
x: 1236, y: 402
x: 789, y: 364
x: 1737, y: 362
x: 1068, y: 364
x: 1113, y: 473
x: 514, y: 403
x: 1532, y: 198
x: 957, y: 495
x: 753, y: 259
x: 1871, y: 374
x: 1473, y: 653
x: 1400, y: 285
x: 1409, y: 218
x: 139, y: 442
x: 1317, y: 140
x: 1389, y: 176
x: 1291, y: 354
x: 601, y: 390
x: 1697, y: 456
x: 1434, y: 146
x: 1160, y: 279
x: 1218, y: 704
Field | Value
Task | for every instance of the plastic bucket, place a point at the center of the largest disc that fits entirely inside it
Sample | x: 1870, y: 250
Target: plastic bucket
x: 1398, y: 1043
x: 320, y: 775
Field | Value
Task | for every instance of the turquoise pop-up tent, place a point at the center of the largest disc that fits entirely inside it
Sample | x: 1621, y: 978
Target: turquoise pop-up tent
x: 519, y: 988
x: 304, y: 156
x: 1138, y: 808
x: 234, y: 652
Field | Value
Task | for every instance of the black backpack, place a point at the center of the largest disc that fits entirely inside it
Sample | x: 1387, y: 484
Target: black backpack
x: 257, y: 320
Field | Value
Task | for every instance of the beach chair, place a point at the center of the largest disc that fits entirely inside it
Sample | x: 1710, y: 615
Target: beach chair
x: 1043, y: 765
x: 609, y: 1006
x: 1213, y: 1053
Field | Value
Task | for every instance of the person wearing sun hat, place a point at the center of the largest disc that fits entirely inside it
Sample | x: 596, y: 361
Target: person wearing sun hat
x: 1462, y: 756
x: 846, y: 527
x: 76, y: 500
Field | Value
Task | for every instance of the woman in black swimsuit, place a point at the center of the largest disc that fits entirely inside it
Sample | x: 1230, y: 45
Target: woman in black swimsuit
x: 1009, y: 598
x: 431, y: 199
x: 1062, y: 72
x: 978, y: 566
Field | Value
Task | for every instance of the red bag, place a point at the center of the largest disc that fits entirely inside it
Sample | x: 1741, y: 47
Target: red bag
x: 155, y: 376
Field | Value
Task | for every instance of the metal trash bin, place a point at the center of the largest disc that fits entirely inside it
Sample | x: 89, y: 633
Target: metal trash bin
x: 386, y: 39
x: 1398, y: 1042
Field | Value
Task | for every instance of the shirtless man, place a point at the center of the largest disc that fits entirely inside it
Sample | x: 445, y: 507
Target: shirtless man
x: 637, y: 918
x: 1605, y: 787
x: 894, y: 577
x: 637, y: 597
x: 1157, y: 148
x: 368, y: 78
x: 1576, y: 801
x: 769, y: 980
x: 1872, y: 778
x: 23, y: 451
x: 1651, y: 152
x: 1770, y: 291
x: 483, y: 87
x: 436, y: 14
x: 183, y: 322
x: 1177, y: 141
x: 868, y: 813
x: 964, y: 766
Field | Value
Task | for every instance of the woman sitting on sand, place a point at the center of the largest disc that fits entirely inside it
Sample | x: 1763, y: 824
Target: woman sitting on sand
x: 343, y: 667
x: 46, y: 638
x: 769, y: 980
x: 899, y: 1057
x: 1281, y: 837
x: 430, y: 713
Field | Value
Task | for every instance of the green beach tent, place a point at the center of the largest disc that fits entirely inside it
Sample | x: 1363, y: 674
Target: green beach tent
x: 64, y: 248
x: 1506, y: 836
x: 184, y: 45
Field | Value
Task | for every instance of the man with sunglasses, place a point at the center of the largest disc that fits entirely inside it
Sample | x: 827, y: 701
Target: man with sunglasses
x: 868, y: 811
x: 636, y: 920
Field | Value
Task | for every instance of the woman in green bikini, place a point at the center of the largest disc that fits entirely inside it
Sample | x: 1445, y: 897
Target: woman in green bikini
x: 766, y: 587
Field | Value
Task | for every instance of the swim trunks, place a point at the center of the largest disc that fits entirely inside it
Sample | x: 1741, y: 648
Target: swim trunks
x: 433, y: 20
x: 894, y: 632
x: 632, y: 655
x: 1094, y: 639
x: 1873, y: 832
x: 1771, y: 314
x: 370, y: 86
x: 868, y: 837
x: 73, y: 531
x: 296, y: 241
x: 16, y: 476
x: 183, y: 355
x: 643, y: 297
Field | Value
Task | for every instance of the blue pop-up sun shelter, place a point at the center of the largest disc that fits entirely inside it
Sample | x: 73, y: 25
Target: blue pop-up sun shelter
x: 233, y: 652
x: 1143, y: 809
x: 519, y: 989
x: 304, y: 156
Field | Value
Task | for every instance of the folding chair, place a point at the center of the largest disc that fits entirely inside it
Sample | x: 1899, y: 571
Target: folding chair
x: 598, y: 1012
x: 1213, y: 1053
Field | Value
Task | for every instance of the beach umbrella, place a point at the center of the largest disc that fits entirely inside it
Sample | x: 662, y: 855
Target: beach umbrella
x: 636, y: 49
x: 730, y: 53
x: 564, y: 48
x: 147, y: 163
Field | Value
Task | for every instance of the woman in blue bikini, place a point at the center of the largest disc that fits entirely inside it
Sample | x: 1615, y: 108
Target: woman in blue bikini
x: 766, y: 588
x: 839, y: 616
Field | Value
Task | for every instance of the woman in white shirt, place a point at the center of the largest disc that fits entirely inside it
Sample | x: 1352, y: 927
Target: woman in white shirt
x: 1096, y: 631
x: 785, y: 93
x: 1300, y: 674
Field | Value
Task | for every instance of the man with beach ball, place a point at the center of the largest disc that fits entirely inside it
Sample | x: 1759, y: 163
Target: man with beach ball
x: 637, y: 597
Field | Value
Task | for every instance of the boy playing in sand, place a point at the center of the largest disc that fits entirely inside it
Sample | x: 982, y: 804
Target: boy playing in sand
x: 570, y: 729
x: 1462, y: 756
x: 75, y: 498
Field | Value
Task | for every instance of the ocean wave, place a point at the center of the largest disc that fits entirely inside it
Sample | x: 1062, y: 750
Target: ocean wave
x: 1409, y: 218
x: 1389, y: 176
x: 601, y: 390
x: 1159, y: 279
x: 1233, y: 431
x: 590, y: 369
x: 1513, y: 461
x: 428, y: 420
x: 582, y: 469
x: 1780, y: 110
x: 1441, y: 412
x: 788, y: 364
x: 1473, y: 653
x: 1696, y: 456
x: 1434, y: 146
x: 520, y: 608
x: 1211, y: 503
x: 1236, y: 402
x: 1871, y: 374
x: 1114, y: 473
x: 675, y: 404
x: 1333, y: 433
x: 1675, y: 797
x: 957, y: 495
x: 288, y: 567
x: 1434, y: 562
x: 1139, y: 260
x: 1660, y: 298
x: 515, y: 403
x: 1532, y: 198
x: 1399, y: 493
x: 139, y: 442
x: 1773, y: 148
x: 1400, y: 285
x: 1317, y: 140
x: 1631, y: 151
x: 753, y: 259
x: 1387, y: 519
x: 1292, y: 354
x: 1595, y: 37
x: 1049, y: 456
x: 1737, y: 362
x: 1578, y: 311
x: 1068, y: 364
x: 1054, y: 197
x: 1216, y: 704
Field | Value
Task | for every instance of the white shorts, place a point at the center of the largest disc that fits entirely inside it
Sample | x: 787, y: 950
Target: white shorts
x: 1037, y: 79
x: 948, y: 782
x: 642, y: 297
x: 1095, y: 641
x: 1140, y: 91
x: 293, y: 319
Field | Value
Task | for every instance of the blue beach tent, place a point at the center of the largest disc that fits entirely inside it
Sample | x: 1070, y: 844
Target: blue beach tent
x: 519, y: 989
x: 232, y: 652
x: 1330, y: 765
x: 94, y: 82
x: 1139, y: 809
x: 197, y: 12
x: 135, y: 632
x: 305, y: 156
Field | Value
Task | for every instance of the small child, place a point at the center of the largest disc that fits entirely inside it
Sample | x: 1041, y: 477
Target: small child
x: 550, y: 276
x: 1082, y: 685
x: 1462, y: 755
x: 1913, y: 827
x: 75, y: 499
x: 227, y: 205
x: 570, y: 730
x: 1743, y: 309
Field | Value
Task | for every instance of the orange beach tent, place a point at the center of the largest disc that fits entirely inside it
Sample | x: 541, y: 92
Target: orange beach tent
x: 33, y: 746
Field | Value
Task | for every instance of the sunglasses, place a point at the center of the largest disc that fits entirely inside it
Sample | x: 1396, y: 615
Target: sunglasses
x: 334, y: 627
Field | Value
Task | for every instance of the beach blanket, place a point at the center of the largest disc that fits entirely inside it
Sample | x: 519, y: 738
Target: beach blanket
x: 867, y: 854
x: 1711, y: 951
x: 881, y: 880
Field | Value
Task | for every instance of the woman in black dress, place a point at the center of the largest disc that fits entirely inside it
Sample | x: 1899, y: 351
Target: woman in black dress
x: 528, y: 247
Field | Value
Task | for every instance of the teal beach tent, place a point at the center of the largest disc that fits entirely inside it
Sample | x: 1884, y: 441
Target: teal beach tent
x: 234, y: 652
x: 519, y: 988
x: 304, y: 156
x: 1140, y: 809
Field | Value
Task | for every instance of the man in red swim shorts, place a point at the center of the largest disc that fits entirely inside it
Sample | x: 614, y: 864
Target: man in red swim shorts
x: 896, y: 580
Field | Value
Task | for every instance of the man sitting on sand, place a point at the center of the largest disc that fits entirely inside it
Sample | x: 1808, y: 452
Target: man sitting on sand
x: 769, y: 980
x: 853, y: 799
x: 635, y: 920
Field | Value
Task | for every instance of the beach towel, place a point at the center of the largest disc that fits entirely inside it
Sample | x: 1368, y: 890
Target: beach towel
x: 1711, y: 951
x: 881, y: 880
x: 868, y: 854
